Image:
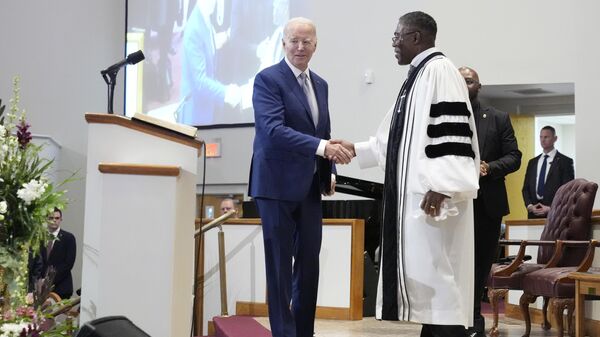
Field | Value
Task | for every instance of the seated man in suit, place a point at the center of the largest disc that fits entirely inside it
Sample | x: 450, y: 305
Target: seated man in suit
x: 60, y: 254
x: 545, y: 174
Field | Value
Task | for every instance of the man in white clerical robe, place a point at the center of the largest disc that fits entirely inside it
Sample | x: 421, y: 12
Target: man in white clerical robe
x: 427, y: 145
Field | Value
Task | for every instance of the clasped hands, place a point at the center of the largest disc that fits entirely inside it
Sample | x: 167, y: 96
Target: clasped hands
x: 539, y: 209
x: 340, y: 151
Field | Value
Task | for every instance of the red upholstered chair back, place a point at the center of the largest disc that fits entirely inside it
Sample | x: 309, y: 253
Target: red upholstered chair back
x: 569, y: 219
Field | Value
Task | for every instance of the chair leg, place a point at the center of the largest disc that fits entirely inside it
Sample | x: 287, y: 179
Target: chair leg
x: 557, y: 307
x: 546, y: 324
x: 524, y: 304
x: 570, y: 302
x: 494, y: 295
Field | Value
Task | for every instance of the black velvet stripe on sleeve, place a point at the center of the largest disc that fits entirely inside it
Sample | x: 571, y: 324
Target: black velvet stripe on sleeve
x: 449, y: 149
x: 449, y: 109
x: 449, y: 129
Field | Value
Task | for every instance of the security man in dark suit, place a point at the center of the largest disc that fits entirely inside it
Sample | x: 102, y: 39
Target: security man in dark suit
x: 545, y: 174
x: 60, y: 254
x: 500, y: 156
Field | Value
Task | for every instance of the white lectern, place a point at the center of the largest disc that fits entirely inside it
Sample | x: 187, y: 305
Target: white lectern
x: 138, y: 242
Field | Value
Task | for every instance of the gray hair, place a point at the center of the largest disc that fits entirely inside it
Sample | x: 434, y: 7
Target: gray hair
x: 421, y: 21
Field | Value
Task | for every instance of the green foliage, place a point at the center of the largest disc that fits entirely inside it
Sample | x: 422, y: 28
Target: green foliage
x: 27, y: 197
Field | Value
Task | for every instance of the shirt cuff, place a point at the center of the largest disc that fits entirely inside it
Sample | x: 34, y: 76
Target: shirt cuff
x: 321, y: 148
x: 364, y: 153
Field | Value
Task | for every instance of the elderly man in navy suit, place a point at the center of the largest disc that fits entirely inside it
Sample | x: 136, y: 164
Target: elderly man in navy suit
x: 292, y: 166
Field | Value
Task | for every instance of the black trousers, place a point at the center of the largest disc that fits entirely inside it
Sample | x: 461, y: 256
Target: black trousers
x: 430, y: 330
x: 487, y: 235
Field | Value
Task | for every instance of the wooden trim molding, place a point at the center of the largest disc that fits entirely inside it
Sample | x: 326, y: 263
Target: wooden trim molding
x: 262, y: 310
x: 256, y: 221
x: 355, y: 309
x: 357, y: 270
x: 97, y: 118
x: 139, y: 169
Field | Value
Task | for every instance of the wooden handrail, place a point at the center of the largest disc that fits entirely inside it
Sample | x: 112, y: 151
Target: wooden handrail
x: 222, y: 270
x: 214, y: 223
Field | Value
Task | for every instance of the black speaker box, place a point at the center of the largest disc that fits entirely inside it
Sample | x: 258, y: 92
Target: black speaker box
x: 111, y: 326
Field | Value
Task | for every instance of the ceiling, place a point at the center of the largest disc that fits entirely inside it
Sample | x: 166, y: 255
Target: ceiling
x: 527, y: 91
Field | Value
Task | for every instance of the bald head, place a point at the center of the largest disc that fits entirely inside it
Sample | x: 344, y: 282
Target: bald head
x: 472, y: 79
x: 227, y: 205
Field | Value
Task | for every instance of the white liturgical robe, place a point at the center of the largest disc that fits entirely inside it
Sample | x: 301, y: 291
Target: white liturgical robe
x: 438, y: 151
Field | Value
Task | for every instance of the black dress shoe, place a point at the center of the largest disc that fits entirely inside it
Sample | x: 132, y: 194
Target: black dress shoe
x: 473, y: 333
x: 476, y: 334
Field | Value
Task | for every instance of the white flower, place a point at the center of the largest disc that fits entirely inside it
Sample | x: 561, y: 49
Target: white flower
x: 3, y: 207
x: 12, y: 329
x: 31, y: 191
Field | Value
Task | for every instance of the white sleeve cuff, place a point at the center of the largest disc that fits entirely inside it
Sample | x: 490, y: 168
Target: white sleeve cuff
x: 365, y: 153
x: 321, y: 148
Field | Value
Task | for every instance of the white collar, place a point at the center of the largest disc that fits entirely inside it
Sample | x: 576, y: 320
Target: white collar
x: 297, y: 71
x: 419, y: 58
x: 55, y: 233
x: 550, y: 154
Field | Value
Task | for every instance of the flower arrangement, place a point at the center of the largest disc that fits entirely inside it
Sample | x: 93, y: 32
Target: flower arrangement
x: 27, y: 196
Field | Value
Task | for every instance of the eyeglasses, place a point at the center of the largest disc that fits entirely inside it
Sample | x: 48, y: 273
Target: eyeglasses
x: 471, y: 81
x: 53, y: 218
x: 304, y: 43
x: 399, y: 37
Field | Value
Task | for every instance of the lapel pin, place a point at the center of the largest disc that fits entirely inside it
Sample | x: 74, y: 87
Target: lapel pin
x: 484, y: 115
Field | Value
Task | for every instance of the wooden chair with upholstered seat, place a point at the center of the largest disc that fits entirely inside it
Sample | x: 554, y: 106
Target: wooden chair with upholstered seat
x: 568, y: 219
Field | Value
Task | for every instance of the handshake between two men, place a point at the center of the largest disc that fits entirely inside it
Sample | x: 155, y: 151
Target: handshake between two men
x: 340, y: 151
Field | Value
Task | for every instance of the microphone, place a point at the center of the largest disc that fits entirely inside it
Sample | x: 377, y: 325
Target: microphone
x: 110, y: 74
x: 132, y: 58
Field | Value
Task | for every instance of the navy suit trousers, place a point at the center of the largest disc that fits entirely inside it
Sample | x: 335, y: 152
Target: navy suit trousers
x: 292, y: 230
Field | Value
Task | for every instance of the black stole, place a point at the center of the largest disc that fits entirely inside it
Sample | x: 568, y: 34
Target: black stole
x: 389, y: 234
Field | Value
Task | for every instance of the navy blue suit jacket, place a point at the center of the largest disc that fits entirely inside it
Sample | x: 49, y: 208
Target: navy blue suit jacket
x: 286, y: 140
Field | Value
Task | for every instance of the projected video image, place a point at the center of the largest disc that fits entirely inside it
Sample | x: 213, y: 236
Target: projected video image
x: 202, y: 56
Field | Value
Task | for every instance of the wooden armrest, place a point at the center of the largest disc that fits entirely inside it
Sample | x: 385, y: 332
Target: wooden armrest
x: 516, y: 262
x: 553, y: 262
x: 589, y: 256
x: 511, y: 268
x: 54, y: 296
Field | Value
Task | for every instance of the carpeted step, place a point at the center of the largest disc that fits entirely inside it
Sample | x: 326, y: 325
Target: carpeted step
x: 239, y: 326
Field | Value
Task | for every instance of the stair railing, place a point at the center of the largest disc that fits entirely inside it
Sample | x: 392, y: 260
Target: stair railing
x: 222, y: 270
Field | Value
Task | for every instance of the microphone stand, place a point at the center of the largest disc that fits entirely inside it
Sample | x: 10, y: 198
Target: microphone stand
x: 110, y: 77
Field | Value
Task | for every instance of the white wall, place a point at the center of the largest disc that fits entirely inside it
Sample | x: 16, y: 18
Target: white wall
x: 58, y: 48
